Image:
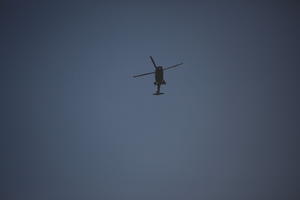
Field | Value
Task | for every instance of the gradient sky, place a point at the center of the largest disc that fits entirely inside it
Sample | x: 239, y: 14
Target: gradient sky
x: 76, y: 125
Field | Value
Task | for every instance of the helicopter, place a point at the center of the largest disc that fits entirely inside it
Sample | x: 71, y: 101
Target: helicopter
x: 159, y: 75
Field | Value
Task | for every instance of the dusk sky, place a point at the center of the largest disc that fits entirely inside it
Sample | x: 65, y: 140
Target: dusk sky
x: 76, y: 125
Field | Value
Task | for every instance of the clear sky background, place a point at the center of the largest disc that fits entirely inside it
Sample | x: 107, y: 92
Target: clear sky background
x: 76, y: 125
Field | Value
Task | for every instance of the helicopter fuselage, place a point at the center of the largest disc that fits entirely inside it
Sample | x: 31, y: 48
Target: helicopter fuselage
x: 159, y: 76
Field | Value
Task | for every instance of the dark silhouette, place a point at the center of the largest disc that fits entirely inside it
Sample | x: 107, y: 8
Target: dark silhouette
x: 159, y: 75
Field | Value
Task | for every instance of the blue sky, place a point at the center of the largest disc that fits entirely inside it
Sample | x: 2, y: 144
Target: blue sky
x: 78, y: 126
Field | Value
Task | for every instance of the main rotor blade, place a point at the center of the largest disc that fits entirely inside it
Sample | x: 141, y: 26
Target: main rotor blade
x: 153, y: 61
x: 173, y: 66
x: 143, y: 74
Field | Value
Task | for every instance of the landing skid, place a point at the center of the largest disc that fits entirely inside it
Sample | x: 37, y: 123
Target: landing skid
x: 158, y: 93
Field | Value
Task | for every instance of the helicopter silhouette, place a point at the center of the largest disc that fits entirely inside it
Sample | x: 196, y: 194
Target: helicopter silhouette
x: 159, y: 75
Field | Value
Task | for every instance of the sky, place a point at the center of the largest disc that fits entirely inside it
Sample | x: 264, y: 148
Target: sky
x: 76, y: 125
